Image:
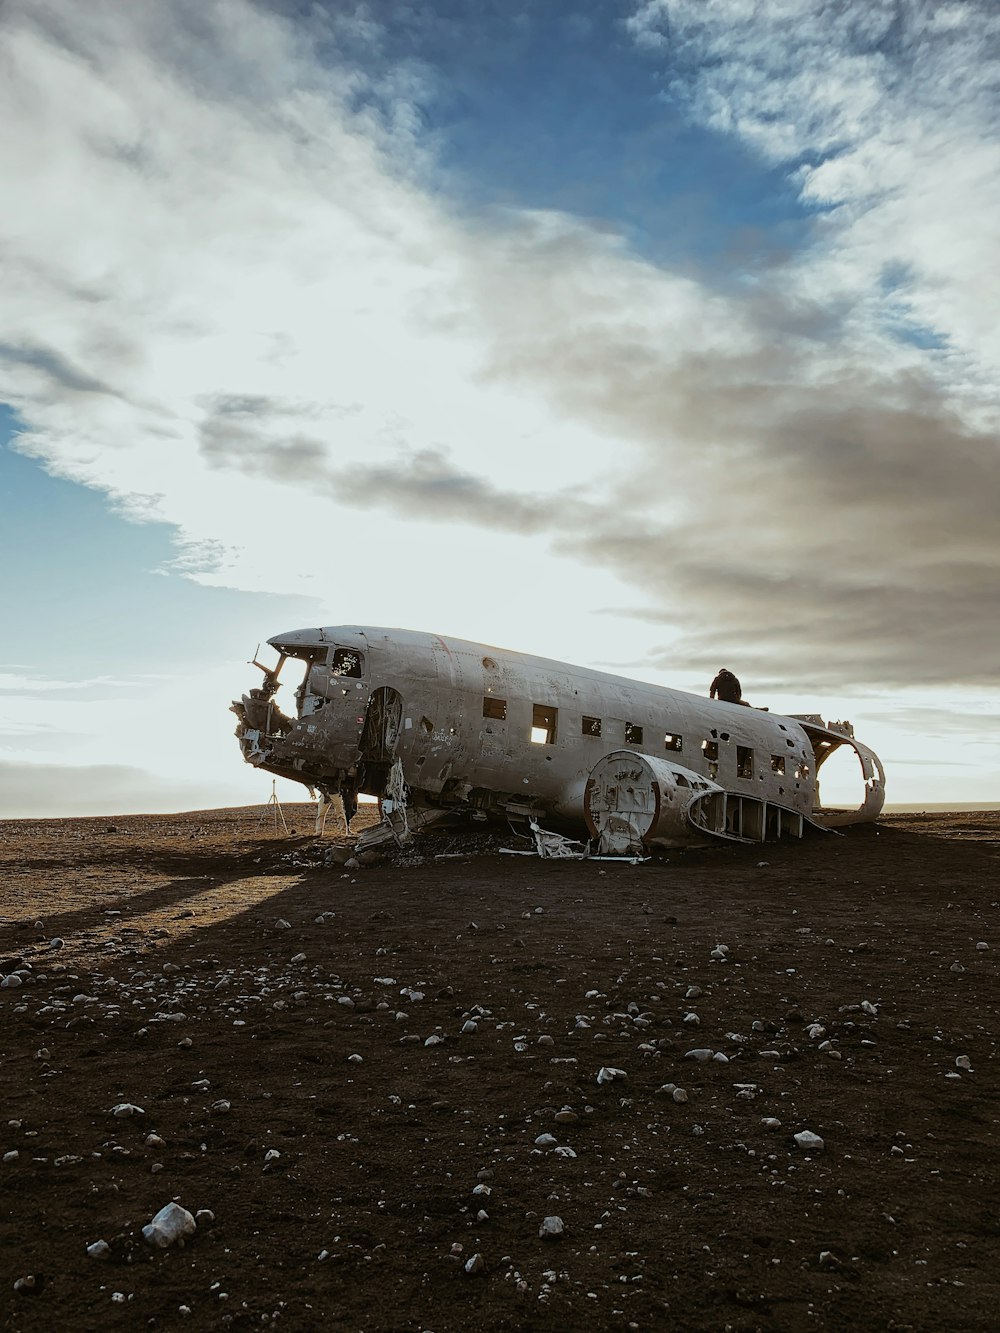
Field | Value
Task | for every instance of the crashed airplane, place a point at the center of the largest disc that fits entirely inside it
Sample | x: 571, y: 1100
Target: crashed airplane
x: 435, y: 727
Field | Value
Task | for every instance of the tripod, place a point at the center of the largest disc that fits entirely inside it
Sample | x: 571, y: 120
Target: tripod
x: 274, y: 805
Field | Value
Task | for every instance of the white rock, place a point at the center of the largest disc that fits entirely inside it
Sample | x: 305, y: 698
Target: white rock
x: 770, y: 1122
x: 551, y: 1228
x: 171, y: 1223
x: 99, y: 1250
x: 563, y: 1151
x: 470, y: 1026
x: 809, y: 1141
x: 721, y: 1058
x: 354, y: 1059
x: 435, y: 1039
x: 692, y: 1020
x: 963, y: 1062
x: 271, y: 1155
x: 11, y: 982
x: 700, y: 1053
x: 154, y: 1141
x: 124, y: 1109
x: 204, y: 1216
x: 476, y: 1264
x: 299, y: 958
x: 546, y: 1141
x: 282, y: 924
x: 982, y: 946
x: 679, y: 1095
x: 870, y: 1009
x: 11, y: 1156
x: 482, y: 1191
x: 608, y: 1074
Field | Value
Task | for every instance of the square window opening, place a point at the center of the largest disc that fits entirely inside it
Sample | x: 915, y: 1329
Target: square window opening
x: 744, y: 761
x: 672, y: 741
x: 591, y: 726
x: 346, y: 662
x: 711, y: 749
x: 494, y: 707
x: 543, y: 724
x: 633, y: 734
x: 777, y: 763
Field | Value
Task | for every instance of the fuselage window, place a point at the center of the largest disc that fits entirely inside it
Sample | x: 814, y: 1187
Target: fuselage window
x: 494, y: 707
x: 543, y: 724
x: 711, y: 749
x: 346, y: 662
x: 744, y: 761
x: 591, y: 726
x: 672, y: 741
x: 777, y: 763
x: 633, y: 734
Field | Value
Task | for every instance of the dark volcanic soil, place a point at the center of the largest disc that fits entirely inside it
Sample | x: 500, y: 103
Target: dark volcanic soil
x: 272, y: 1021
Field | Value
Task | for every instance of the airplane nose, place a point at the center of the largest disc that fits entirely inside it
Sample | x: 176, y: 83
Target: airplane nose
x: 297, y: 639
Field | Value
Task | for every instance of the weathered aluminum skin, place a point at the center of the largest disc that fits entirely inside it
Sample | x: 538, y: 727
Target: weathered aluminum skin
x: 424, y: 696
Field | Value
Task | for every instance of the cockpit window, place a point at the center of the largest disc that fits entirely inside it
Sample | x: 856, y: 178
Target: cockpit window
x: 346, y: 662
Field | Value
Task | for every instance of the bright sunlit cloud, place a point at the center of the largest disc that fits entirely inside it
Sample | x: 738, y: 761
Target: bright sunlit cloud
x: 243, y: 297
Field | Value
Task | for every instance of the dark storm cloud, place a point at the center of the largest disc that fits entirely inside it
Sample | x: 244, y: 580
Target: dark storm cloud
x: 248, y: 432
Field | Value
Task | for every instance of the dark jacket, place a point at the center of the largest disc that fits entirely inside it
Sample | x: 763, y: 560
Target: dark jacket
x: 726, y: 687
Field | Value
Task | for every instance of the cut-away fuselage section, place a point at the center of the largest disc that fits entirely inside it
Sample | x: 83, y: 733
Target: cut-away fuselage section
x: 431, y: 725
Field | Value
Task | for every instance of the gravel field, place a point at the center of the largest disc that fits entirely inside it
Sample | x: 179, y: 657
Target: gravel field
x: 732, y: 1089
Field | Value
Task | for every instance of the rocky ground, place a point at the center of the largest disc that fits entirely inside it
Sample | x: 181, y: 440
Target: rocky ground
x: 487, y: 1091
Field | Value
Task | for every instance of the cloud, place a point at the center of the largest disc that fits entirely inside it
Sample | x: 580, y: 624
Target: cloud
x: 312, y: 356
x: 94, y: 789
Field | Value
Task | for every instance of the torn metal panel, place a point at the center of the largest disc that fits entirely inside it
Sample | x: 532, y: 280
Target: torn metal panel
x: 434, y: 726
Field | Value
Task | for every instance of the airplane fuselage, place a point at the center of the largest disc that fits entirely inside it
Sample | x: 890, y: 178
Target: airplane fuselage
x: 508, y: 733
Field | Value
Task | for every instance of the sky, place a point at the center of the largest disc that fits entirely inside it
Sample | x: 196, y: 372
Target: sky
x: 654, y: 335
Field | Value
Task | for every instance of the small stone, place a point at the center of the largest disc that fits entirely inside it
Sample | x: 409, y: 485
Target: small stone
x: 607, y: 1074
x: 679, y: 1095
x: 475, y: 1264
x: 700, y: 1053
x: 809, y: 1141
x: 551, y: 1228
x: 204, y: 1217
x: 963, y: 1062
x: 172, y: 1223
x: 99, y: 1250
x: 299, y: 958
x: 354, y: 1059
x: 26, y: 1283
x: 770, y: 1122
x: 982, y: 946
x: 546, y: 1141
x: 435, y: 1039
x: 282, y: 924
x: 125, y: 1109
x: 470, y: 1025
x: 566, y: 1116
